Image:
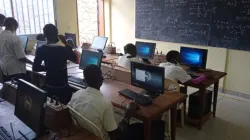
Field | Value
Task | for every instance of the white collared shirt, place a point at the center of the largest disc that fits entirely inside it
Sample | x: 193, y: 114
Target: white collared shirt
x: 125, y: 62
x: 10, y: 52
x: 174, y: 72
x: 91, y: 104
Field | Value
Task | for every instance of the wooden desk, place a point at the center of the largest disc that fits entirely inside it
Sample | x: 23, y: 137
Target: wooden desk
x: 214, y: 80
x: 161, y: 104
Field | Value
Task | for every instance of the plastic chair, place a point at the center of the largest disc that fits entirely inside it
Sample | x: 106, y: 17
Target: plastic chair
x: 78, y: 119
x: 171, y: 85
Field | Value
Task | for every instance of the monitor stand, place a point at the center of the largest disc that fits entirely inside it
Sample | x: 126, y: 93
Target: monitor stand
x: 146, y: 61
x: 149, y: 94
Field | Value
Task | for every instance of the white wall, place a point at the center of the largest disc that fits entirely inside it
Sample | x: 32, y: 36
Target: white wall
x: 123, y: 32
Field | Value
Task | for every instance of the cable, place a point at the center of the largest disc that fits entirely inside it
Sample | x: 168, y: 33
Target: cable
x: 12, y: 130
x: 108, y: 74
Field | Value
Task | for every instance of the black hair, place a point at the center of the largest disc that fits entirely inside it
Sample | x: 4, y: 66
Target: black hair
x: 130, y: 49
x: 93, y: 76
x: 2, y: 18
x: 10, y: 23
x: 173, y: 57
x: 40, y: 37
x: 50, y: 32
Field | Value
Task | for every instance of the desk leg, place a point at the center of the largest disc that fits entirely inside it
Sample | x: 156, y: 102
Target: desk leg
x: 147, y: 129
x: 202, y: 96
x: 216, y: 87
x: 173, y: 122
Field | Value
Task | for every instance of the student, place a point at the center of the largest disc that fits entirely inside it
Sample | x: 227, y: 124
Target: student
x: 12, y: 56
x: 2, y: 18
x: 55, y: 59
x: 175, y: 72
x: 130, y: 55
x: 91, y: 104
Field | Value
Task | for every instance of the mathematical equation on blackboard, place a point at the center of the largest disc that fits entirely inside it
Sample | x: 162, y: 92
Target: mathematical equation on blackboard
x: 217, y: 23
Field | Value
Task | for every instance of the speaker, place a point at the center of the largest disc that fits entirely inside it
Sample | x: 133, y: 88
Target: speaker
x: 194, y: 107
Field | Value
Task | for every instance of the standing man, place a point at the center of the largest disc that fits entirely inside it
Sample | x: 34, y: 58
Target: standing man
x: 12, y: 56
x: 2, y: 18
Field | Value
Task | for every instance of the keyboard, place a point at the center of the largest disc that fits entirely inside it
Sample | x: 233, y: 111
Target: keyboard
x: 140, y: 99
x: 193, y: 74
x: 4, y: 135
x: 77, y: 81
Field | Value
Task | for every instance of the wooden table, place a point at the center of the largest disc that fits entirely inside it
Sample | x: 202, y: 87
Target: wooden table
x: 161, y: 104
x: 214, y: 78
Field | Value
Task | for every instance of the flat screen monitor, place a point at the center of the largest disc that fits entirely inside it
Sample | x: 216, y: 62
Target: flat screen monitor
x: 72, y: 37
x: 90, y: 57
x: 99, y: 42
x: 145, y: 50
x: 193, y: 57
x: 24, y: 41
x: 30, y: 106
x: 149, y: 77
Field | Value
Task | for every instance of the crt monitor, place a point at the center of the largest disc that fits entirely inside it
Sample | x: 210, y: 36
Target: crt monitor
x: 30, y: 106
x: 90, y: 57
x: 145, y: 50
x: 193, y: 57
x: 149, y: 77
x: 99, y: 42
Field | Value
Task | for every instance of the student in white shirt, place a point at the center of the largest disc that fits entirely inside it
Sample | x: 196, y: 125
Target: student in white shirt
x: 2, y: 18
x: 130, y: 55
x: 91, y: 104
x: 12, y: 56
x: 175, y: 72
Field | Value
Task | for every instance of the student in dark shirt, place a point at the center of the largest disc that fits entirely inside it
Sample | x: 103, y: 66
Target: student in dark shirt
x: 55, y: 59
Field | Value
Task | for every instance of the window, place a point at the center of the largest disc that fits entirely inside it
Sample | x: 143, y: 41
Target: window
x: 90, y: 19
x: 31, y: 15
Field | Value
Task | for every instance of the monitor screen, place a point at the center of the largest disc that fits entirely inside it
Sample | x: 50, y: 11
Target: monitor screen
x: 24, y: 41
x: 148, y: 77
x: 29, y: 106
x: 193, y: 57
x: 145, y: 50
x: 72, y: 37
x: 99, y: 42
x: 90, y: 57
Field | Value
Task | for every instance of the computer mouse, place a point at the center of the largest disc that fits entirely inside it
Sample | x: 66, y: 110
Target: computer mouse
x: 104, y: 56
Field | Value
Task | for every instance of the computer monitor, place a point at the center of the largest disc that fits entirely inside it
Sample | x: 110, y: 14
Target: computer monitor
x: 149, y: 77
x: 193, y: 57
x: 90, y: 57
x: 145, y: 50
x: 30, y: 106
x: 40, y: 43
x: 99, y: 42
x: 24, y: 41
x: 72, y: 37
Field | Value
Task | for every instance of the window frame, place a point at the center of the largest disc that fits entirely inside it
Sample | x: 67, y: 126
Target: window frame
x: 33, y: 36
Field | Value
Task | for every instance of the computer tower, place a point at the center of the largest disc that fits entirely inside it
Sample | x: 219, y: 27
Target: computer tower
x: 194, y: 107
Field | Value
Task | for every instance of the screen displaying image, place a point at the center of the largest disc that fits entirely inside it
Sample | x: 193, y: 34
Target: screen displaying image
x: 90, y: 57
x: 192, y: 57
x: 145, y: 50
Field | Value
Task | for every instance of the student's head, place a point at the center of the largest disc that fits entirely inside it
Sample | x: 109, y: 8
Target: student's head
x: 173, y: 57
x: 2, y: 18
x: 130, y: 49
x: 10, y: 24
x: 40, y: 37
x: 93, y: 76
x: 50, y: 32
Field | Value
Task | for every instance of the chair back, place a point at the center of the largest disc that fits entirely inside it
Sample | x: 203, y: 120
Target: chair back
x: 171, y: 85
x: 83, y: 122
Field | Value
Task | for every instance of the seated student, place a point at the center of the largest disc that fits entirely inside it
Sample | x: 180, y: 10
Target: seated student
x: 130, y: 55
x: 175, y: 72
x: 55, y: 59
x: 12, y: 56
x: 2, y: 18
x: 91, y: 104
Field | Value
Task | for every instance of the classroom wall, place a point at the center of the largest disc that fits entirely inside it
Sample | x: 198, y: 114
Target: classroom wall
x: 123, y: 31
